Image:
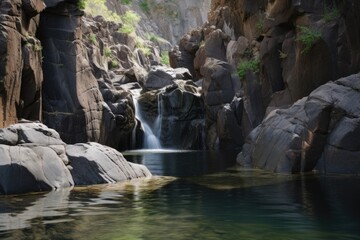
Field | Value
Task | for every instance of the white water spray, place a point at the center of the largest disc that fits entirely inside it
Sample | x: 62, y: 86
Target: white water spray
x: 151, y: 141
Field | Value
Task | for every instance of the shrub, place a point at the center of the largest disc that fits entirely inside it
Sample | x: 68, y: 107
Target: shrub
x: 98, y: 7
x: 144, y: 6
x: 113, y: 64
x: 308, y: 37
x: 165, y: 58
x: 92, y: 38
x: 81, y: 4
x: 248, y: 65
x: 130, y: 19
x: 107, y: 52
x: 331, y: 14
x: 126, y: 2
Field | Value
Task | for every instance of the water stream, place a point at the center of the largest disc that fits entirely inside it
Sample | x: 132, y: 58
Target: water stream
x: 151, y: 140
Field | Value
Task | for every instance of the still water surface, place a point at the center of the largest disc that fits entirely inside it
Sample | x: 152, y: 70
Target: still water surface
x: 206, y: 200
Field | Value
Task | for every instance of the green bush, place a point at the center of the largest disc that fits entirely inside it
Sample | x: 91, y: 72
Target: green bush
x: 144, y: 6
x: 126, y: 2
x: 92, y: 38
x: 165, y: 59
x: 98, y: 7
x: 113, y: 64
x: 308, y: 37
x: 81, y: 4
x: 331, y: 14
x: 130, y: 19
x: 248, y: 65
x: 107, y: 52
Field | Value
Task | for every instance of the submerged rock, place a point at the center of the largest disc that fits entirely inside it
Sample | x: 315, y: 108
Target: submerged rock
x: 319, y: 132
x: 34, y: 158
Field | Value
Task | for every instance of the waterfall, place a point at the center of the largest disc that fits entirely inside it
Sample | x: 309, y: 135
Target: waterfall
x: 151, y: 141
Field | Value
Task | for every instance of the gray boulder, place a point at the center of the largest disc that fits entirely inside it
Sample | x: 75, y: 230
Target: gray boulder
x: 160, y: 76
x: 319, y: 132
x: 93, y: 163
x: 34, y: 158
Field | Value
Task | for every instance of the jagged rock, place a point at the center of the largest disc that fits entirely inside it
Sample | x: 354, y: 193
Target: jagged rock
x: 92, y: 163
x: 34, y: 158
x: 229, y: 125
x: 318, y: 132
x: 175, y: 112
x: 20, y: 61
x: 159, y: 76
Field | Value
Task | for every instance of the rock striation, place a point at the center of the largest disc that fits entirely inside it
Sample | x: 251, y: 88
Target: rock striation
x: 20, y: 61
x: 34, y: 158
x: 319, y: 132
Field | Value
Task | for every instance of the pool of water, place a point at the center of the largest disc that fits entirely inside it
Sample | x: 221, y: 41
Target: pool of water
x: 204, y: 203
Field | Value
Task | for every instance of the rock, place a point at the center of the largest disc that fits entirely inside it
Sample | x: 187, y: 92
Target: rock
x: 176, y: 113
x: 72, y: 102
x: 34, y: 158
x: 159, y: 76
x: 318, y: 132
x: 20, y: 61
x: 92, y: 163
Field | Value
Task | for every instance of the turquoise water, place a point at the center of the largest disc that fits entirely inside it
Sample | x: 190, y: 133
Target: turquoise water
x: 200, y: 203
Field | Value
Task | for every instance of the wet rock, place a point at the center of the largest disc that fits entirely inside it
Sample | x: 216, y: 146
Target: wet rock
x: 175, y: 113
x: 317, y: 132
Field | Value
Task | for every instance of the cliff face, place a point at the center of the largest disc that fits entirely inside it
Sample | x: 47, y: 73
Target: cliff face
x: 281, y: 50
x: 20, y: 61
x: 169, y: 19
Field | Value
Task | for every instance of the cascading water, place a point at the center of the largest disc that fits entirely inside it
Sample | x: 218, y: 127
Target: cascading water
x: 151, y: 141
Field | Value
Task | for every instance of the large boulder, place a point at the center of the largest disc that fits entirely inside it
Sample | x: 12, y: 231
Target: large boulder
x: 318, y: 132
x: 34, y: 158
x: 160, y: 76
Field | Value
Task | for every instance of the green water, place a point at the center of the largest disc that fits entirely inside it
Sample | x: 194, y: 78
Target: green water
x: 200, y: 204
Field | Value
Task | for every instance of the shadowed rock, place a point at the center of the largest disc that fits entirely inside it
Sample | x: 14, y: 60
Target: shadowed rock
x: 318, y: 132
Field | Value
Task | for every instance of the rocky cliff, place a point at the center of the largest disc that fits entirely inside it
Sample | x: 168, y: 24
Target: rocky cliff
x: 267, y: 54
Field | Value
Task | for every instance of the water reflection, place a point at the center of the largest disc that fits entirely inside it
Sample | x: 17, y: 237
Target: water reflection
x: 252, y: 205
x: 182, y: 163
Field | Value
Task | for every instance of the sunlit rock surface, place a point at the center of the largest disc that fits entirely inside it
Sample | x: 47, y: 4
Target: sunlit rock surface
x: 34, y: 158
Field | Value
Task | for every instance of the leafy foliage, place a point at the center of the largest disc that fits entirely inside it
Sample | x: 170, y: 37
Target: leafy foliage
x: 331, y: 14
x: 144, y: 6
x: 165, y: 59
x: 308, y: 37
x: 130, y: 19
x: 81, y: 4
x: 248, y: 65
x: 126, y: 2
x: 98, y: 7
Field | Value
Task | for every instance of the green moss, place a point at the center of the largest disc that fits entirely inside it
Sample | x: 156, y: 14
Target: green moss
x: 144, y: 6
x: 308, y: 37
x: 248, y: 65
